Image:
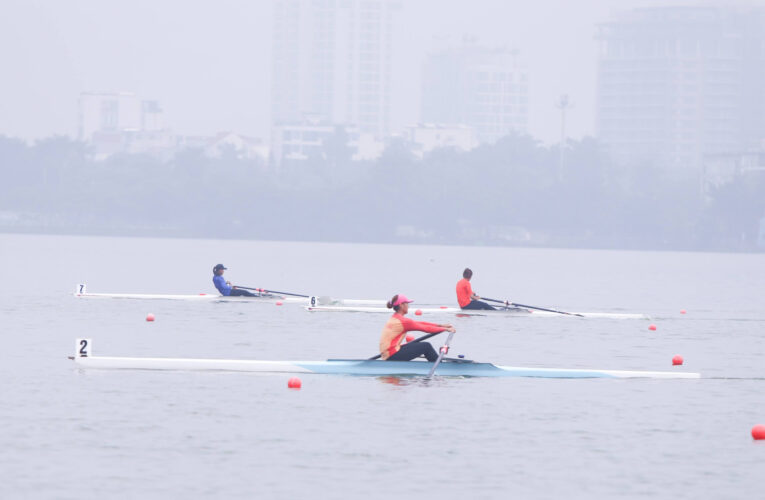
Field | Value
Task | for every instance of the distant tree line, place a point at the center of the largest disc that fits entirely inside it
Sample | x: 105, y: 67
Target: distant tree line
x: 513, y: 192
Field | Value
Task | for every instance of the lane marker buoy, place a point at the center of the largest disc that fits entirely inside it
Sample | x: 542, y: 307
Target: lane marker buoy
x: 294, y: 383
x: 150, y: 317
x: 652, y: 328
x: 758, y: 432
x: 677, y: 360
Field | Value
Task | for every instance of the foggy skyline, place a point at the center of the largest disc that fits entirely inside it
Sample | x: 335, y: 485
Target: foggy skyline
x: 209, y: 66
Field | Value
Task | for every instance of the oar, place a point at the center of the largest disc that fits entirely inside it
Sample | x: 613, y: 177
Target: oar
x: 532, y: 307
x: 419, y: 339
x: 441, y: 353
x: 271, y: 291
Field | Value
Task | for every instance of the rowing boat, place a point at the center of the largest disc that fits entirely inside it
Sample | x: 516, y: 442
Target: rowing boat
x: 366, y: 309
x: 420, y: 311
x: 448, y: 367
x: 81, y: 292
x: 163, y: 296
x: 512, y: 311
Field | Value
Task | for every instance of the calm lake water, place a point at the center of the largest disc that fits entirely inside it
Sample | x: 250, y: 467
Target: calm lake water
x: 71, y: 433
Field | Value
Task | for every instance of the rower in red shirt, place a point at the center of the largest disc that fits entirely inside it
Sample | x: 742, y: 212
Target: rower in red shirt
x: 465, y: 296
x: 395, y: 330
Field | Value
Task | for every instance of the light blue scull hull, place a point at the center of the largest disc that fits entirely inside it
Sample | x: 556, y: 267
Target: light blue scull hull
x: 363, y: 367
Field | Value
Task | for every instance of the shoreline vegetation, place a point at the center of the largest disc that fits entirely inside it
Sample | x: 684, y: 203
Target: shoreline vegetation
x: 513, y: 193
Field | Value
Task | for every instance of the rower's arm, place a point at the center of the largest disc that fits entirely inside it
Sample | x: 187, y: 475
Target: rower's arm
x: 421, y: 326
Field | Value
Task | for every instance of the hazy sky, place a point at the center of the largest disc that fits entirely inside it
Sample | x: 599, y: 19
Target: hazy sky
x: 209, y: 63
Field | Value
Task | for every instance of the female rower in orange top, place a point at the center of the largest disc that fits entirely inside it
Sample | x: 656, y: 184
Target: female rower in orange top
x: 395, y: 330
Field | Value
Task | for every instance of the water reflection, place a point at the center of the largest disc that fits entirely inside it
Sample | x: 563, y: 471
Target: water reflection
x: 403, y: 380
x: 392, y: 380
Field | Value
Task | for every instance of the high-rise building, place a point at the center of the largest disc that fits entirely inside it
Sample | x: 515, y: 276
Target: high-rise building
x: 676, y: 84
x: 486, y: 89
x: 332, y: 63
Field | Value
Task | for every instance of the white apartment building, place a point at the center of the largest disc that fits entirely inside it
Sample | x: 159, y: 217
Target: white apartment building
x: 426, y: 137
x: 116, y: 112
x: 482, y: 88
x: 676, y: 84
x: 332, y: 63
x: 314, y: 139
x: 121, y: 122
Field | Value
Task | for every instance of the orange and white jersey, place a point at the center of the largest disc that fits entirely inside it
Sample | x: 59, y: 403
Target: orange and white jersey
x: 395, y: 329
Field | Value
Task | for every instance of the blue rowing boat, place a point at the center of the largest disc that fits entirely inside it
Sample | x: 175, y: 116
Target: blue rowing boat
x: 448, y: 367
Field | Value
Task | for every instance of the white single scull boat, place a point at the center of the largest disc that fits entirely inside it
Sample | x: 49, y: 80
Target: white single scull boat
x: 474, y: 312
x: 81, y: 292
x: 448, y: 367
x: 366, y: 309
x: 167, y: 296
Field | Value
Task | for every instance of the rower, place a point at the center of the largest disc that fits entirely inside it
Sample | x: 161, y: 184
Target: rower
x: 395, y: 329
x: 465, y: 296
x: 224, y: 287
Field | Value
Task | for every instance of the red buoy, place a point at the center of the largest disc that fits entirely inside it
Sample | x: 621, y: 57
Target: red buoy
x: 150, y: 317
x: 677, y: 360
x: 418, y: 312
x: 682, y: 311
x: 278, y: 302
x: 294, y: 383
x: 443, y: 307
x: 758, y: 432
x: 409, y: 337
x: 652, y: 327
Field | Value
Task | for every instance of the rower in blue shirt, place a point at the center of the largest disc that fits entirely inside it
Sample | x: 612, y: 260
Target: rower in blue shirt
x: 224, y: 287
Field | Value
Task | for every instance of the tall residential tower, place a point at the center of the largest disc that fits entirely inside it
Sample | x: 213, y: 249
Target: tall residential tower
x: 677, y: 84
x: 485, y: 89
x: 332, y: 65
